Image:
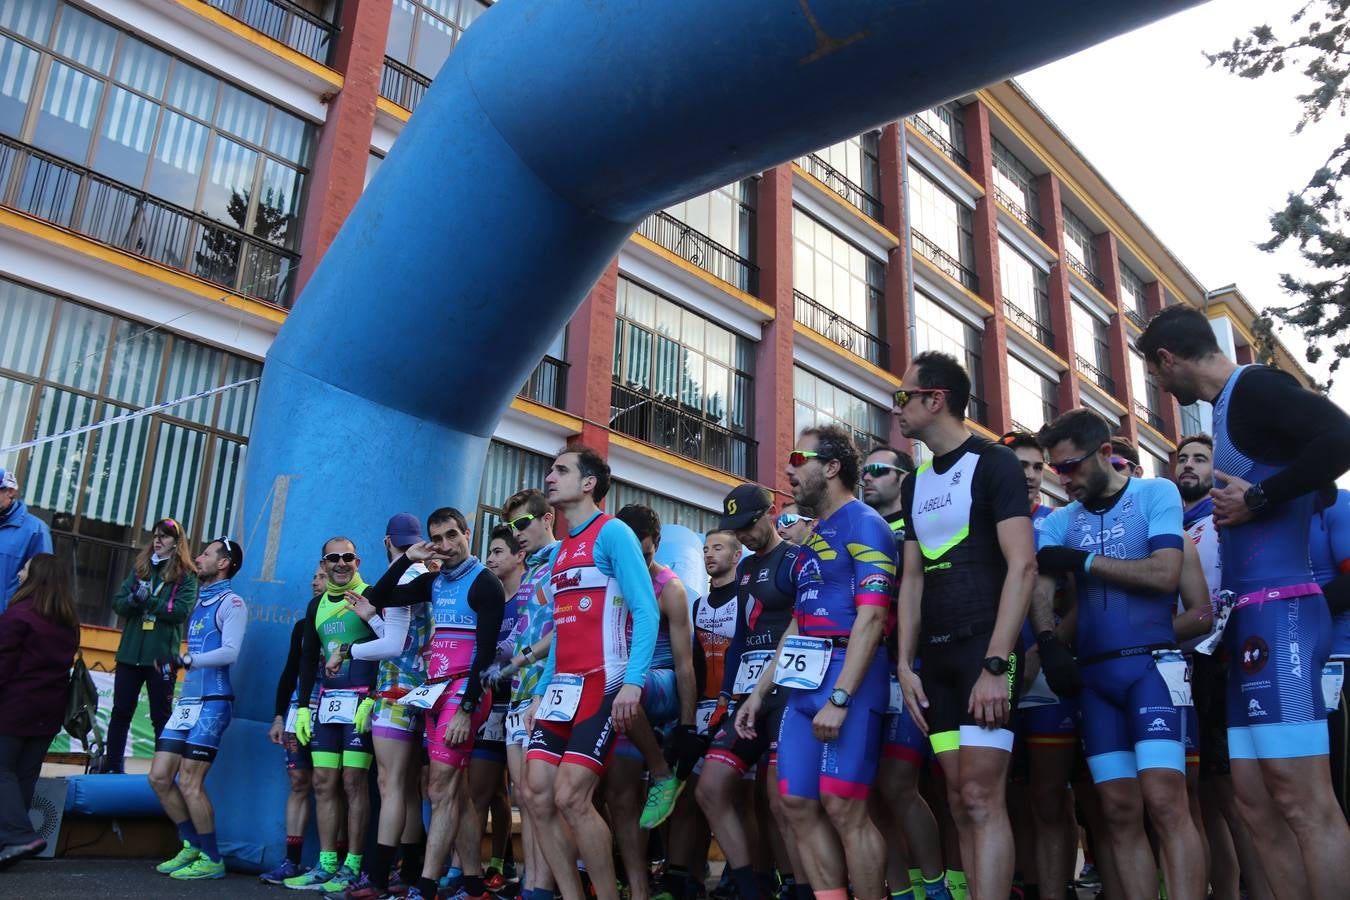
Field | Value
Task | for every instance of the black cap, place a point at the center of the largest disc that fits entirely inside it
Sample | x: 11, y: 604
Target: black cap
x: 742, y: 505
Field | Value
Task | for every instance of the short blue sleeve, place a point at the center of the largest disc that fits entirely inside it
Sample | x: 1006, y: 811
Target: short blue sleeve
x: 1052, y: 530
x: 1162, y: 506
x: 1338, y: 531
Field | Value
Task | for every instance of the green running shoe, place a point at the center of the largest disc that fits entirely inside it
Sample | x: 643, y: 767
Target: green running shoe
x: 200, y: 869
x: 313, y: 880
x: 184, y: 858
x: 340, y: 880
x: 661, y: 797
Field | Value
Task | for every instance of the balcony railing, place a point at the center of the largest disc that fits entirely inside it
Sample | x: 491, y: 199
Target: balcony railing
x: 1085, y: 273
x: 1099, y: 378
x: 823, y: 320
x: 49, y: 188
x: 839, y: 183
x: 547, y: 384
x: 1049, y: 412
x: 1147, y: 415
x: 945, y: 261
x: 946, y: 146
x: 977, y: 410
x: 1028, y: 323
x: 297, y: 28
x: 684, y: 240
x: 403, y: 85
x: 1017, y: 212
x: 1136, y: 319
x: 680, y: 430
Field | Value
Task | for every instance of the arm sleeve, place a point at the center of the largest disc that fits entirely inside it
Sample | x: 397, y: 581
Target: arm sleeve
x: 1051, y: 532
x: 488, y: 599
x: 290, y: 672
x: 388, y: 592
x: 1164, y: 515
x: 309, y: 655
x: 874, y: 563
x: 1000, y: 480
x: 41, y: 542
x: 391, y: 634
x: 907, y: 506
x: 1268, y: 406
x: 232, y: 617
x: 14, y: 631
x: 618, y: 554
x: 121, y: 599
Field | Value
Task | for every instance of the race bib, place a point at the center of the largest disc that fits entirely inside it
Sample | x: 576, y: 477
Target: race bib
x: 1038, y: 693
x: 515, y: 719
x: 703, y: 714
x: 338, y: 707
x: 1177, y: 673
x: 895, y: 702
x: 1333, y: 679
x: 803, y: 662
x: 752, y: 666
x: 494, y: 729
x: 1222, y: 604
x: 185, y: 715
x: 425, y: 696
x: 561, y: 698
x: 291, y: 713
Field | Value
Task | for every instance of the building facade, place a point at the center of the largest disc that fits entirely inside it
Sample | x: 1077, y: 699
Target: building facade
x: 171, y: 172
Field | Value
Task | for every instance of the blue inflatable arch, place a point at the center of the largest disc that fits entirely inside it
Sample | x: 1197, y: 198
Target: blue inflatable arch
x: 554, y: 128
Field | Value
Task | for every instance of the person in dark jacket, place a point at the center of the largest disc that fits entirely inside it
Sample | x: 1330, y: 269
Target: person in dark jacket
x: 154, y: 601
x: 39, y: 634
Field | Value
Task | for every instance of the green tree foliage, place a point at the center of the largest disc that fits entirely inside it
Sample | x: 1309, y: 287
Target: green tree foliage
x: 1315, y: 218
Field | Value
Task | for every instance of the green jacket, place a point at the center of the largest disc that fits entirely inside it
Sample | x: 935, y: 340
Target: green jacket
x: 167, y: 607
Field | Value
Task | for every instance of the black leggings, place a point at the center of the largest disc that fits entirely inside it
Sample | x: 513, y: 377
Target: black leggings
x: 127, y: 681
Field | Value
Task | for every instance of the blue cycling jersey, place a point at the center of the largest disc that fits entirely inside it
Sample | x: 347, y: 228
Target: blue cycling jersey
x: 849, y: 561
x: 1145, y: 516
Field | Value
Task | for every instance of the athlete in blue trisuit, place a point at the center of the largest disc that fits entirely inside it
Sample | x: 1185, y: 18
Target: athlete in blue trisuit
x: 835, y: 669
x: 1330, y: 547
x: 969, y: 569
x: 187, y: 746
x: 1274, y: 445
x: 1121, y: 540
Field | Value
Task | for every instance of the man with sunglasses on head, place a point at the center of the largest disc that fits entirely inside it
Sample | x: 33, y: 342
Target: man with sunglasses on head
x: 188, y: 744
x: 969, y: 569
x: 899, y: 810
x: 466, y: 602
x: 831, y: 660
x: 765, y: 596
x: 595, y: 672
x: 340, y: 744
x: 1121, y: 541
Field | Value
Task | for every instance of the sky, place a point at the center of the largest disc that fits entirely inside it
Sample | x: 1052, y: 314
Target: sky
x: 1202, y: 155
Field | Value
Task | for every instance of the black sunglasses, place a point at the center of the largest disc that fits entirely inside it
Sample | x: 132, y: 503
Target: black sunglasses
x: 339, y: 557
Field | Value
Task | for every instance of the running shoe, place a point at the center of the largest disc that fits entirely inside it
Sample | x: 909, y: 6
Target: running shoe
x: 936, y: 890
x: 360, y: 889
x: 415, y: 894
x: 287, y: 869
x: 342, y: 879
x: 313, y: 880
x: 396, y: 886
x: 1089, y: 876
x: 493, y: 880
x: 509, y: 891
x: 661, y: 797
x: 450, y: 883
x: 183, y: 858
x: 465, y: 895
x: 200, y: 869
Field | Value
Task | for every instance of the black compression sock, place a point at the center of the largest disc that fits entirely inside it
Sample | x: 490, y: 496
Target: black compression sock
x: 427, y: 886
x: 381, y: 861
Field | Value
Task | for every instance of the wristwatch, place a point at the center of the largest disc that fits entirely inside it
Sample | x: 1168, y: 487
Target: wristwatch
x: 1255, y: 498
x: 840, y: 698
x: 468, y: 705
x: 345, y: 650
x: 996, y: 665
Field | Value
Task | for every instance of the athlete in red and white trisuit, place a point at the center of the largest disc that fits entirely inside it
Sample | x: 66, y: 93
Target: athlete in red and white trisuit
x: 593, y: 679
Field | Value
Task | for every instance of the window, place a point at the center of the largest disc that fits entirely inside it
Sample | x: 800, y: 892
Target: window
x: 423, y: 32
x: 1157, y: 464
x: 64, y: 365
x: 947, y: 122
x: 820, y: 402
x: 1078, y: 242
x: 1132, y: 293
x: 857, y: 159
x: 1193, y: 419
x: 1031, y: 396
x: 938, y: 329
x: 942, y: 219
x: 506, y: 470
x: 727, y: 215
x: 1092, y: 345
x: 836, y: 274
x: 373, y: 163
x: 1027, y: 288
x: 1147, y: 398
x: 681, y: 381
x: 1017, y: 182
x: 671, y: 511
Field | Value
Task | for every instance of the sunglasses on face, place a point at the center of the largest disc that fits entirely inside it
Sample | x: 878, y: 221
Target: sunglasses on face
x: 787, y: 520
x: 902, y: 396
x: 876, y: 470
x: 339, y: 557
x: 1121, y: 464
x: 520, y: 523
x: 1069, y: 466
x: 798, y: 458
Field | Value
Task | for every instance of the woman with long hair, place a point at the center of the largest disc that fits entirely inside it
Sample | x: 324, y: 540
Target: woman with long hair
x: 39, y: 634
x: 154, y: 602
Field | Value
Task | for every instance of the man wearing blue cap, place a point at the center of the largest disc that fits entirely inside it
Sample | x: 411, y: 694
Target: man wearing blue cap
x: 22, y: 536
